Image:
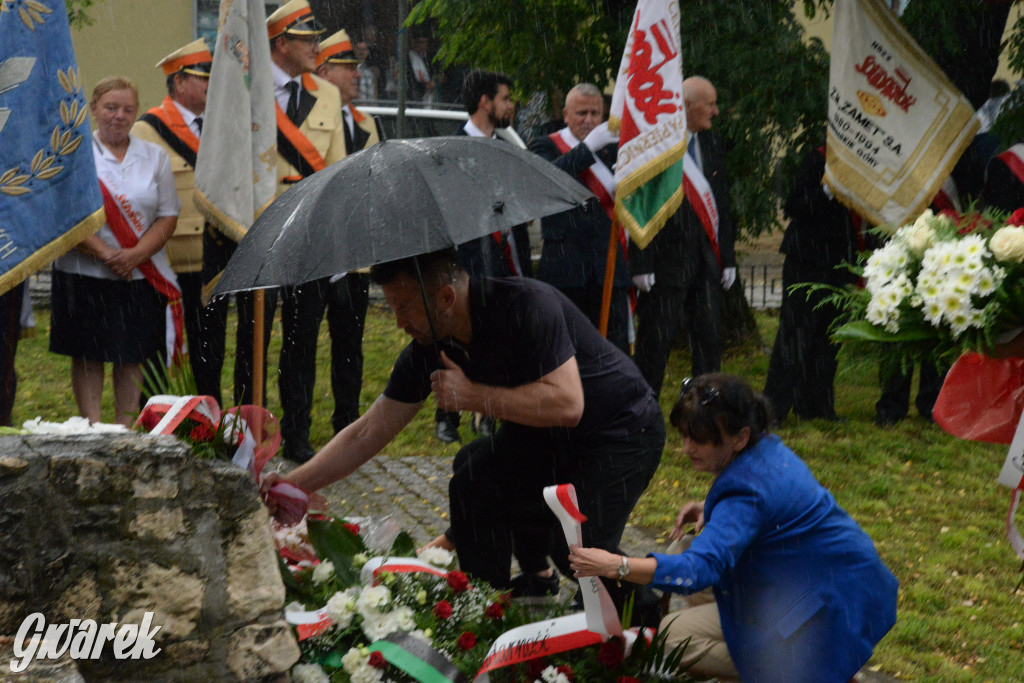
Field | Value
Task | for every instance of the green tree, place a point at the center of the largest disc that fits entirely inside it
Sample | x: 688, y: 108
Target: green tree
x: 78, y: 12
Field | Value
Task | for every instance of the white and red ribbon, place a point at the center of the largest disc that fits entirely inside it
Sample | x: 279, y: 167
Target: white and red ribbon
x: 309, y: 624
x: 1012, y: 476
x: 375, y: 566
x: 702, y: 199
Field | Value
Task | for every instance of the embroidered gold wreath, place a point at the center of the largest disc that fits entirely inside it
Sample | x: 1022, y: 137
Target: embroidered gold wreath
x: 72, y: 114
x: 31, y: 12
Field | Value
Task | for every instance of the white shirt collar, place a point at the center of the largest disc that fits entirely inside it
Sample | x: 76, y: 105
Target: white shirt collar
x: 472, y: 131
x: 129, y: 156
x: 281, y: 80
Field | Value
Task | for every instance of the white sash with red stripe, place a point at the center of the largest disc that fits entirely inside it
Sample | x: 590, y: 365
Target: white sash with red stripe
x: 1014, y: 158
x: 597, y: 177
x: 702, y: 199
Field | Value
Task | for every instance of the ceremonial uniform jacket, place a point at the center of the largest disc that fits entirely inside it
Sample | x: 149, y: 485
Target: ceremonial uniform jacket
x: 320, y: 124
x: 185, y: 248
x: 367, y: 131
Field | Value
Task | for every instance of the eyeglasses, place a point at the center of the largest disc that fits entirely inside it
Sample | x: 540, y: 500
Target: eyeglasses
x: 705, y: 394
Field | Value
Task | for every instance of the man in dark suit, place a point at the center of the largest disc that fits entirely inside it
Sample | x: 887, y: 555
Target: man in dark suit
x: 575, y: 247
x: 685, y: 268
x: 488, y: 101
x: 347, y: 295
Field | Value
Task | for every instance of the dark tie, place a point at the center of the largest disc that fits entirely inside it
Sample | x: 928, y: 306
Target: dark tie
x: 199, y: 124
x: 691, y: 149
x: 293, y: 102
x: 348, y: 131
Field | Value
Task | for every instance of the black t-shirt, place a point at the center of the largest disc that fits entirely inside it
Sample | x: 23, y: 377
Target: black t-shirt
x: 522, y: 330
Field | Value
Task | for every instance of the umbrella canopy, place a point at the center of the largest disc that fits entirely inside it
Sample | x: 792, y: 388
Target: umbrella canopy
x: 396, y: 199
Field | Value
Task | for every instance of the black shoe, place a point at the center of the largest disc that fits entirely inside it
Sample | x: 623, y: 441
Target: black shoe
x: 298, y: 453
x: 447, y: 432
x: 483, y: 425
x: 533, y: 585
x: 886, y: 420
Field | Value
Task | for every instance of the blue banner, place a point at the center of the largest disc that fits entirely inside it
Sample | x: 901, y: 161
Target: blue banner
x: 49, y: 195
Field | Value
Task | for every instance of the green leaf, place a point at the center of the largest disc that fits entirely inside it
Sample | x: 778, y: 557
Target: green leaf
x: 862, y: 330
x: 295, y: 590
x: 404, y: 546
x: 332, y: 541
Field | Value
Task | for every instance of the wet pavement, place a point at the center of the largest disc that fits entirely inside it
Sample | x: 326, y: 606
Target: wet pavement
x: 413, y: 492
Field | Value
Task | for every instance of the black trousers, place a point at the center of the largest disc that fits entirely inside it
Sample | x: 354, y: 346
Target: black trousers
x: 302, y: 310
x: 802, y: 369
x: 208, y: 358
x: 896, y: 380
x: 658, y: 315
x: 10, y: 333
x: 496, y: 496
x: 588, y: 300
x: 347, y: 301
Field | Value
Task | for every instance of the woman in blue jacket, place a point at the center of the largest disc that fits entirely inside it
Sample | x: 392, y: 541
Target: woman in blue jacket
x: 799, y: 592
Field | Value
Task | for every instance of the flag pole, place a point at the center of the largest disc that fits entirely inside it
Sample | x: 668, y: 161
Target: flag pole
x: 609, y: 277
x: 258, y: 302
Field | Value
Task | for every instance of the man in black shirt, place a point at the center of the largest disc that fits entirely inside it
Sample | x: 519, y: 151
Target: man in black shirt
x: 573, y: 408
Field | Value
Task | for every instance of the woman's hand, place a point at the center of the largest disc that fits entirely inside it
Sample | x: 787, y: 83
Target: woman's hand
x: 124, y: 261
x: 691, y: 513
x: 593, y: 562
x: 266, y: 482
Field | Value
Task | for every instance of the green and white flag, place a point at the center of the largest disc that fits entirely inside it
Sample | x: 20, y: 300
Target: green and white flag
x: 648, y: 114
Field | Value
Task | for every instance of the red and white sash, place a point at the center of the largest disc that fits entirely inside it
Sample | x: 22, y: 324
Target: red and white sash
x: 597, y: 177
x: 948, y: 197
x: 702, y: 199
x: 1014, y: 159
x: 127, y: 227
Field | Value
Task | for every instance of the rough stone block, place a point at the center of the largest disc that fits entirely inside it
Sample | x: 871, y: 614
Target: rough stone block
x: 259, y: 651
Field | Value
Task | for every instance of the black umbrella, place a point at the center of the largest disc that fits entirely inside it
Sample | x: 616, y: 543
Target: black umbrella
x: 396, y: 199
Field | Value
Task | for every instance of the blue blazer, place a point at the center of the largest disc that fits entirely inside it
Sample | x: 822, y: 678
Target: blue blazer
x: 801, y: 592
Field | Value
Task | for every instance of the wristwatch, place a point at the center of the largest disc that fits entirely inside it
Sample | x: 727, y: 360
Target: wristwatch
x: 623, y: 568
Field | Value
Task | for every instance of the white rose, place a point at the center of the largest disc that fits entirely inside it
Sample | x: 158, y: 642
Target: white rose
x: 439, y: 557
x: 1007, y: 244
x: 341, y: 609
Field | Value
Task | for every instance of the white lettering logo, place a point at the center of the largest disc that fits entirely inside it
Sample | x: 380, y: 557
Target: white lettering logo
x: 81, y: 639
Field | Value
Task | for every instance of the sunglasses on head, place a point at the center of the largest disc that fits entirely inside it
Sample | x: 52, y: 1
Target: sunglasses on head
x: 705, y: 394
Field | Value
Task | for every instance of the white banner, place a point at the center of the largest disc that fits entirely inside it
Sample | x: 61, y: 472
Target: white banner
x: 648, y: 113
x: 237, y: 163
x: 896, y: 124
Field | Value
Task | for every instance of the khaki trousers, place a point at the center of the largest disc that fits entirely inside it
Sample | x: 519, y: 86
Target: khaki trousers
x: 699, y: 622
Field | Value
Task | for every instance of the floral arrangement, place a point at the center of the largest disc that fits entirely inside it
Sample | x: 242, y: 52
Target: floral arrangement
x: 945, y: 284
x: 361, y: 617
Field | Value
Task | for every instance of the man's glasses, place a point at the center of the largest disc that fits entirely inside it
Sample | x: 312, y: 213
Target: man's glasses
x: 705, y: 394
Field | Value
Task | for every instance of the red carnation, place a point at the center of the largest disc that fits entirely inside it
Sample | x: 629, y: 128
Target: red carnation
x: 566, y: 671
x: 1016, y: 218
x: 458, y: 581
x: 611, y: 653
x: 201, y: 433
x: 377, y: 660
x: 467, y: 640
x: 443, y: 609
x: 495, y: 610
x: 354, y: 528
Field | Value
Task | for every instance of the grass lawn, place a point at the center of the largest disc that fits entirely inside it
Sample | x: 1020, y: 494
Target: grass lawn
x: 929, y: 501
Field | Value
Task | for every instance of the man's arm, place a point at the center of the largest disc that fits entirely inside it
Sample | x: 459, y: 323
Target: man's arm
x: 554, y: 400
x: 573, y: 162
x: 354, y: 445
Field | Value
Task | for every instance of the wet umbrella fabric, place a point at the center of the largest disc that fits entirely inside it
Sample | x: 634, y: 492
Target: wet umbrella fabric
x: 396, y: 199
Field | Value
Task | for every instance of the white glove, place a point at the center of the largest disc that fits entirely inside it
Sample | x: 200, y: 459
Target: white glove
x: 600, y: 137
x: 644, y: 282
x: 728, y: 277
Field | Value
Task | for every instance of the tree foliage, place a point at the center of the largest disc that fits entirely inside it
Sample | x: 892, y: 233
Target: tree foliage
x: 770, y: 82
x: 78, y: 12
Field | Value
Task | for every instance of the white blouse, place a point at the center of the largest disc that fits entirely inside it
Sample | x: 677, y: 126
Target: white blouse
x: 145, y: 179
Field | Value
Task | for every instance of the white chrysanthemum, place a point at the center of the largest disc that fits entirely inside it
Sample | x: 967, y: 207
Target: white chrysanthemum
x: 932, y: 312
x: 439, y: 557
x: 985, y: 282
x: 372, y: 597
x: 341, y: 608
x: 377, y: 624
x: 552, y: 675
x: 356, y: 665
x: 309, y: 673
x: 323, y: 571
x: 404, y: 619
